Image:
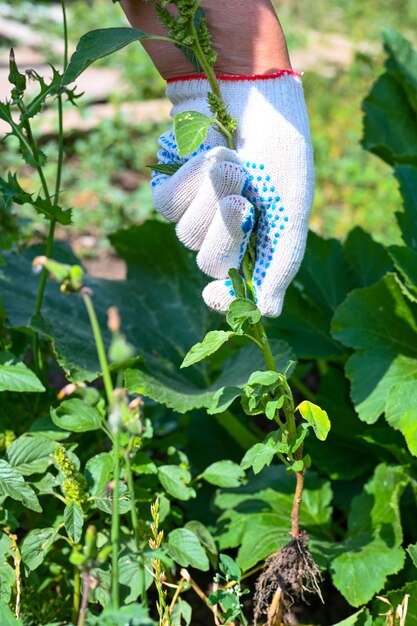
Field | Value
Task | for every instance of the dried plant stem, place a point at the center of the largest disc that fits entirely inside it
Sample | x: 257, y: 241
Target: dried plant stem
x: 295, y: 513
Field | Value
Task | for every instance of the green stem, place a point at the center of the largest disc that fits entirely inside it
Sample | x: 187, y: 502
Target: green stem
x: 134, y: 517
x: 101, y: 352
x: 39, y: 298
x: 65, y: 30
x: 131, y: 488
x: 211, y: 77
x: 115, y: 523
x: 77, y: 596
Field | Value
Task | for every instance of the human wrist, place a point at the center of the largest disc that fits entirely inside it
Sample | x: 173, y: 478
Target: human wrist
x: 246, y: 34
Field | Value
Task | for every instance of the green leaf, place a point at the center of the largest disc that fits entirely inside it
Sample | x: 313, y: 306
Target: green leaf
x: 396, y: 597
x: 360, y: 618
x: 98, y: 44
x: 258, y: 456
x: 405, y: 261
x: 104, y: 499
x: 224, y: 474
x: 205, y: 538
x: 165, y: 168
x: 52, y: 211
x: 7, y: 582
x: 322, y: 283
x: 184, y: 547
x: 368, y: 259
x: 238, y: 284
x: 8, y: 619
x: 407, y: 219
x: 16, y: 376
x: 98, y: 472
x: 402, y: 64
x: 390, y: 130
x: 12, y: 191
x: 212, y: 342
x: 241, y: 311
x: 190, y: 129
x: 229, y: 568
x: 132, y: 614
x: 223, y: 398
x: 267, y: 378
x: 257, y: 517
x: 134, y: 576
x: 381, y: 324
x: 297, y: 466
x: 374, y: 539
x: 31, y: 455
x: 74, y: 520
x: 345, y: 455
x: 316, y: 417
x: 182, y: 613
x: 175, y: 481
x: 171, y: 284
x: 401, y: 412
x: 77, y: 416
x: 36, y: 545
x: 412, y: 551
x: 12, y: 484
x: 272, y: 407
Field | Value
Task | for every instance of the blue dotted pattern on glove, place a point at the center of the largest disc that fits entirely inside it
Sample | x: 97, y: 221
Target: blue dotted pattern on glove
x: 260, y: 191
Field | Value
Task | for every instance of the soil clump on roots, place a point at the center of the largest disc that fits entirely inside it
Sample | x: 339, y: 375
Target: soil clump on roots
x: 287, y: 576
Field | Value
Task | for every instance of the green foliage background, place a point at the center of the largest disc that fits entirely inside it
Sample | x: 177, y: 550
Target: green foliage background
x: 350, y: 322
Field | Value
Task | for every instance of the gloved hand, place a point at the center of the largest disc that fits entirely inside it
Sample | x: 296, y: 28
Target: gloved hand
x: 211, y: 196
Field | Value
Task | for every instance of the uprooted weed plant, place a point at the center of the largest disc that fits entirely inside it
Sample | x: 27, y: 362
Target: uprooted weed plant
x: 159, y: 487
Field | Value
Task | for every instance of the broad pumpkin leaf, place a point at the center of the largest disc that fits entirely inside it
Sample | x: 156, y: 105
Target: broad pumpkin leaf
x: 368, y: 259
x: 401, y: 412
x: 407, y: 219
x: 360, y: 618
x: 8, y: 618
x: 345, y: 455
x: 396, y: 598
x: 257, y: 517
x: 322, y: 283
x: 162, y: 312
x: 405, y: 261
x: 374, y: 538
x: 381, y: 324
x: 402, y: 63
x: 390, y: 129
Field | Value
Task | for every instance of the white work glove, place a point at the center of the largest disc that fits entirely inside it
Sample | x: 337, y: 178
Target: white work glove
x: 211, y: 196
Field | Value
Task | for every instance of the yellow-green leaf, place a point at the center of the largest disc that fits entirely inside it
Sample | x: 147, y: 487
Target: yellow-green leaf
x: 316, y: 417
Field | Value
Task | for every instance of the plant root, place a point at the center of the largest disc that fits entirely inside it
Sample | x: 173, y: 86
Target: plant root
x: 287, y: 576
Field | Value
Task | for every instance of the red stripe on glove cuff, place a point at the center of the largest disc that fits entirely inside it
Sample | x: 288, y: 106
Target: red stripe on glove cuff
x: 238, y: 76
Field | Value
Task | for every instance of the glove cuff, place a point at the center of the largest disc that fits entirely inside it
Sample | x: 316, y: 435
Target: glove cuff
x: 237, y: 77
